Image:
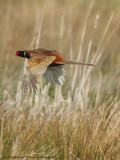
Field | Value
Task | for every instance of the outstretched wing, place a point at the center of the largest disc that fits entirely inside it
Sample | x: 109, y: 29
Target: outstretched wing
x: 35, y: 68
x: 55, y: 74
x: 29, y: 82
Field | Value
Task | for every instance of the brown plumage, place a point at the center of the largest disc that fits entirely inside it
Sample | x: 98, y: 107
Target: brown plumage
x: 43, y: 62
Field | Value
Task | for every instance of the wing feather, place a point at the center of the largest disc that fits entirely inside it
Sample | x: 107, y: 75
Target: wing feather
x: 55, y: 74
x: 55, y: 78
x: 33, y: 73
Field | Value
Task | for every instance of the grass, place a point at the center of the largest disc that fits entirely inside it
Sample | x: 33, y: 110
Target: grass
x: 81, y: 119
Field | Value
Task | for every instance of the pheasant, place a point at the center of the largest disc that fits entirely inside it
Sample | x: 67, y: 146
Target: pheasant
x: 48, y: 63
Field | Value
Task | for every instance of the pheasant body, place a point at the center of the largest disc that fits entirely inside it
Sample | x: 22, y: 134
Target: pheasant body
x: 43, y: 62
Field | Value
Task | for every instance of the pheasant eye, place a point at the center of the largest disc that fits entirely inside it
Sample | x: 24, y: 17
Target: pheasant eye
x: 17, y: 53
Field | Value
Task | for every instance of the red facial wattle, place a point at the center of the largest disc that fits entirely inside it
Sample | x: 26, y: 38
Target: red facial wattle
x: 17, y: 53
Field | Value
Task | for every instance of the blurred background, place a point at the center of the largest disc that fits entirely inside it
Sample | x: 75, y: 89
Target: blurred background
x: 58, y: 24
x: 79, y: 120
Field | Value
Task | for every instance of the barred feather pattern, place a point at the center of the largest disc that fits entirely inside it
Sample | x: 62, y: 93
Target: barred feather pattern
x: 55, y: 74
x: 29, y: 82
x: 79, y: 63
x: 32, y: 74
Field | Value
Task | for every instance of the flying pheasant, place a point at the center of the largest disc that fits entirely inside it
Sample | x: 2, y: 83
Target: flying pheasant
x: 48, y: 63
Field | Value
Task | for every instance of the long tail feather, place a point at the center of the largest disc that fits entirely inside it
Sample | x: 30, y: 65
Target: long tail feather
x: 79, y: 63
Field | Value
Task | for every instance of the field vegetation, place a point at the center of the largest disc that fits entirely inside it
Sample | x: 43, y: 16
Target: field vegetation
x: 81, y: 119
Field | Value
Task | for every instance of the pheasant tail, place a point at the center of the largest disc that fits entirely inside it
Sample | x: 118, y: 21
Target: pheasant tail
x: 79, y: 63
